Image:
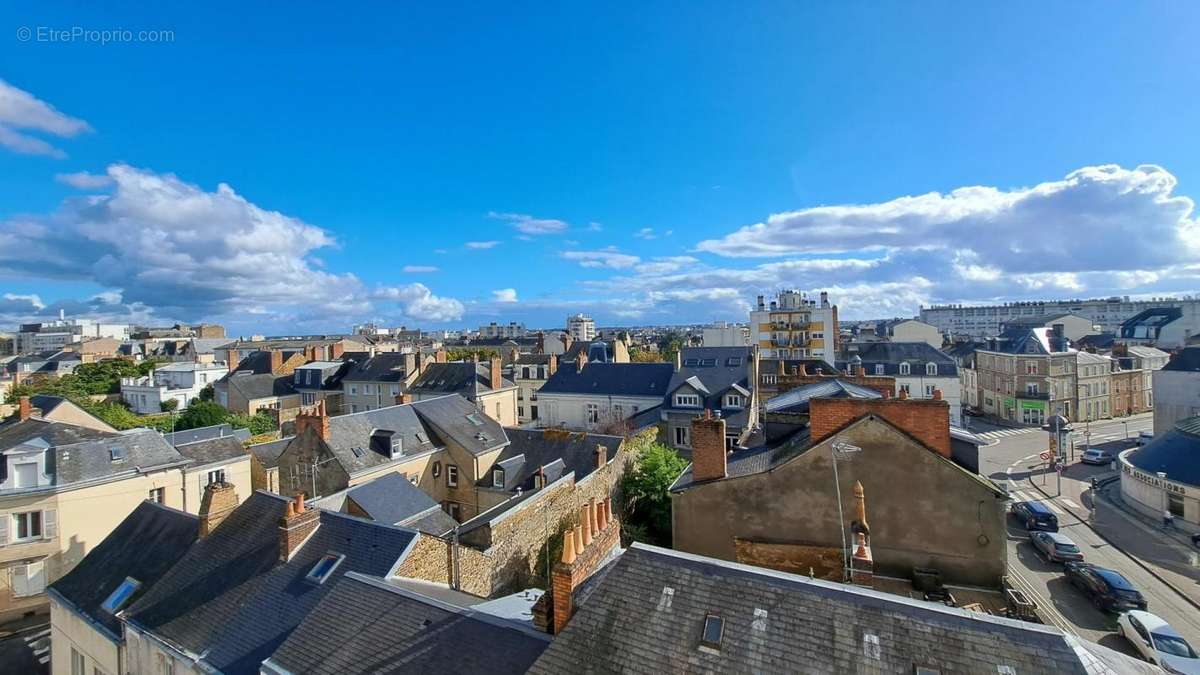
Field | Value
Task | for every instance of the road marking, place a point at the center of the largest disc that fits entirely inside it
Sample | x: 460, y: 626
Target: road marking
x: 1002, y: 433
x: 1054, y: 507
x: 1069, y: 503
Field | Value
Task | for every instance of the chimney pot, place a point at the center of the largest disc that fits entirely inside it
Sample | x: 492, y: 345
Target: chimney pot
x: 568, y: 555
x: 937, y: 394
x: 903, y: 394
x: 578, y: 533
x: 588, y: 523
x: 803, y: 370
x: 886, y: 393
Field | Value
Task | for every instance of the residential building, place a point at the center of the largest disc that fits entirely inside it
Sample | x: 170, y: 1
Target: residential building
x: 180, y: 382
x: 918, y: 368
x: 718, y: 379
x: 1163, y: 475
x: 795, y: 327
x: 1131, y: 391
x: 1093, y: 376
x: 1162, y: 327
x: 655, y: 610
x: 66, y: 487
x: 1074, y: 327
x: 85, y: 634
x: 1026, y: 375
x: 58, y: 409
x: 510, y: 330
x: 777, y: 505
x: 321, y: 381
x: 963, y: 354
x: 601, y: 396
x: 48, y: 364
x: 55, y: 335
x: 897, y: 330
x: 377, y: 381
x: 391, y: 499
x: 483, y: 384
x: 775, y: 375
x: 986, y: 320
x: 1144, y: 357
x: 1176, y: 389
x: 725, y: 334
x: 581, y: 327
x: 529, y: 372
x: 261, y: 380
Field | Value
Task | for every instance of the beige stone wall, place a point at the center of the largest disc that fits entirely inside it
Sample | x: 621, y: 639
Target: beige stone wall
x: 68, y: 631
x: 500, y: 406
x: 429, y: 560
x: 238, y: 471
x: 12, y: 607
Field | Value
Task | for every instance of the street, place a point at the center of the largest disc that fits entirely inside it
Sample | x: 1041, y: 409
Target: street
x: 26, y: 651
x: 1013, y: 460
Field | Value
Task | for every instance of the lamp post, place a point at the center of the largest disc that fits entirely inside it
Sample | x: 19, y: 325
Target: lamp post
x: 1162, y: 478
x: 1125, y: 423
x: 844, y: 450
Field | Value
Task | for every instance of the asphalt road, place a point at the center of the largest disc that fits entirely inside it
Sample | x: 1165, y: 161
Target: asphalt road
x: 1008, y: 461
x: 26, y: 652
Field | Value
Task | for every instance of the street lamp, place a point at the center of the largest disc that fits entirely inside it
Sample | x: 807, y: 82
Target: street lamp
x: 1125, y: 423
x: 843, y: 450
x: 1162, y: 477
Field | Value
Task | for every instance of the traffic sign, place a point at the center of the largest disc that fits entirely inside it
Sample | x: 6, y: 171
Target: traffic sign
x: 1045, y: 455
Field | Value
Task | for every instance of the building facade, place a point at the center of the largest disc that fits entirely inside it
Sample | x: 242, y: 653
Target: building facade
x: 725, y: 334
x: 1093, y: 387
x: 792, y: 326
x: 180, y: 382
x: 1176, y: 389
x: 919, y: 370
x: 581, y: 327
x: 987, y: 320
x: 1027, y: 375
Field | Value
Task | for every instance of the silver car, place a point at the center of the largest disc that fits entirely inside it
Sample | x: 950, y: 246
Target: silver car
x: 1055, y: 547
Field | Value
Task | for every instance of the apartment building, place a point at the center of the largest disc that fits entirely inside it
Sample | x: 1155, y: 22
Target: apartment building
x: 918, y: 368
x: 725, y: 334
x: 529, y: 372
x: 581, y: 327
x: 1093, y: 387
x: 987, y: 320
x: 57, y: 334
x: 180, y: 382
x: 376, y: 382
x: 1026, y: 375
x: 793, y: 326
x: 510, y: 330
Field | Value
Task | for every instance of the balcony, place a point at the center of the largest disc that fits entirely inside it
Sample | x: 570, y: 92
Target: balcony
x: 1039, y: 396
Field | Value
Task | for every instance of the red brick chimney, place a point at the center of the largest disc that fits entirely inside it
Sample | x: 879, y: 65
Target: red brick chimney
x: 295, y: 526
x: 311, y: 354
x: 24, y: 409
x: 579, y: 560
x: 219, y: 500
x: 232, y: 358
x: 580, y: 362
x: 553, y: 365
x: 440, y: 356
x: 316, y: 419
x: 927, y: 420
x: 276, y: 361
x: 336, y: 350
x: 495, y: 377
x: 404, y: 398
x: 708, y: 447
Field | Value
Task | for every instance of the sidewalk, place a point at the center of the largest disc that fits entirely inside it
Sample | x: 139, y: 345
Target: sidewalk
x: 1165, y: 557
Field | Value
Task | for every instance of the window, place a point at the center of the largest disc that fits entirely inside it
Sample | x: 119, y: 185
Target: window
x: 1031, y: 368
x: 1175, y: 504
x: 354, y: 390
x: 165, y: 664
x: 368, y: 389
x: 324, y: 567
x: 768, y: 379
x: 307, y: 398
x: 26, y: 474
x: 879, y: 369
x: 733, y: 361
x: 593, y: 413
x: 905, y: 368
x: 931, y: 369
x: 353, y: 407
x: 733, y: 400
x: 215, y: 476
x: 158, y: 495
x: 437, y: 469
x: 1031, y: 388
x: 451, y: 475
x: 714, y: 630
x: 929, y: 388
x: 27, y: 526
x: 687, y: 401
x: 116, y: 453
x: 453, y: 509
x: 120, y: 595
x: 395, y: 390
x: 498, y: 478
x: 903, y: 388
x: 77, y: 664
x: 683, y: 437
x: 475, y: 419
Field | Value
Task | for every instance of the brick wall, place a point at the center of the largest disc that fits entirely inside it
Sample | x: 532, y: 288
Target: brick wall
x: 786, y: 382
x: 928, y: 420
x: 708, y: 447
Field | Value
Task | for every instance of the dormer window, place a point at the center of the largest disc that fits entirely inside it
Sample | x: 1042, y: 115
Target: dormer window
x: 931, y: 369
x: 714, y: 630
x: 734, y: 401
x: 120, y: 595
x: 879, y: 369
x: 687, y: 401
x: 324, y: 568
x: 498, y: 478
x: 116, y: 453
x: 905, y: 368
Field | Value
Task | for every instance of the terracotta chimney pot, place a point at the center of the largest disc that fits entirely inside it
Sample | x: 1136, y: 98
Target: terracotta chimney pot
x: 937, y: 394
x: 568, y: 554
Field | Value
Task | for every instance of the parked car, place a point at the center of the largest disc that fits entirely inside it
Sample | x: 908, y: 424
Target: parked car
x: 1158, y: 642
x: 1109, y: 591
x: 1035, y: 516
x: 1055, y: 546
x: 1145, y: 437
x: 1098, y: 456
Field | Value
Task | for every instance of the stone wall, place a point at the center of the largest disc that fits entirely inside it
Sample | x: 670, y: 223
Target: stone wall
x: 822, y: 562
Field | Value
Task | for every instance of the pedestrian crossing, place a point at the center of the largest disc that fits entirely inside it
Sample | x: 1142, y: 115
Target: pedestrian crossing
x: 39, y: 643
x: 1001, y: 433
x: 1023, y: 496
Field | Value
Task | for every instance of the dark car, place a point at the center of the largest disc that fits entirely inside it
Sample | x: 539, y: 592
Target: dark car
x: 1056, y: 547
x: 1109, y: 591
x: 1035, y: 516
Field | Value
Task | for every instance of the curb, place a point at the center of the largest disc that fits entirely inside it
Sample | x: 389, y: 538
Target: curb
x: 1166, y: 582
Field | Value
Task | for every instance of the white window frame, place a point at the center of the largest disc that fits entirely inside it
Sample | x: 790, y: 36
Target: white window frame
x: 734, y: 401
x: 683, y: 437
x: 593, y: 413
x: 78, y: 664
x: 931, y: 369
x: 879, y: 369
x: 451, y: 475
x: 687, y: 401
x: 14, y: 524
x: 157, y: 492
x: 498, y: 477
x: 220, y: 473
x: 905, y: 368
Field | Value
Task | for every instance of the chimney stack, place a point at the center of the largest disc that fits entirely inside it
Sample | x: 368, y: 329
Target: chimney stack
x: 601, y: 456
x: 316, y: 419
x: 495, y: 379
x: 580, y: 361
x: 802, y: 370
x: 678, y: 359
x: 295, y: 526
x: 24, y: 409
x: 276, y: 361
x: 440, y: 356
x: 862, y: 564
x: 219, y: 500
x: 336, y: 350
x: 404, y: 398
x: 602, y: 533
x: 553, y: 365
x: 708, y: 447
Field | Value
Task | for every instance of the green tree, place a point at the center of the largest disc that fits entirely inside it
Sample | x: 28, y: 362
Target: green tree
x: 201, y: 414
x: 467, y: 353
x: 645, y: 487
x: 207, y: 393
x: 169, y: 405
x: 258, y: 423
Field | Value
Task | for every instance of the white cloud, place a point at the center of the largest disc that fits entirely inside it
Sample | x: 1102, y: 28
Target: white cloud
x: 84, y: 180
x: 21, y: 110
x: 528, y: 224
x: 482, y: 245
x: 161, y: 245
x: 504, y: 295
x: 418, y: 302
x: 608, y: 258
x: 419, y: 269
x: 595, y: 227
x: 645, y: 233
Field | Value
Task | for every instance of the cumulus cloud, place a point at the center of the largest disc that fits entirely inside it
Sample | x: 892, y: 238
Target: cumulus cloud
x: 84, y: 180
x: 419, y: 302
x: 419, y: 269
x: 645, y: 233
x: 482, y: 245
x: 504, y: 295
x: 527, y: 224
x: 22, y: 112
x: 173, y: 248
x: 608, y: 258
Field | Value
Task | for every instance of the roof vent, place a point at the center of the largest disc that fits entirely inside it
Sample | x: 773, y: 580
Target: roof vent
x: 664, y: 601
x: 871, y: 647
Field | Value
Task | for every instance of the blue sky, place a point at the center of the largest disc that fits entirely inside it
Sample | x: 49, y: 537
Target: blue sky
x: 646, y: 162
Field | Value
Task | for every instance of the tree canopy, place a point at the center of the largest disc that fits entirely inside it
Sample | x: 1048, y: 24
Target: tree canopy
x: 645, y: 487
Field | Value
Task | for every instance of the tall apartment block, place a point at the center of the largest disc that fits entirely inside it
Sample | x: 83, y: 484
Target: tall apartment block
x: 793, y: 326
x: 986, y: 320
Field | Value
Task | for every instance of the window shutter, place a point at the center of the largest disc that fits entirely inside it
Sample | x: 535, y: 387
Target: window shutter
x: 19, y: 580
x: 36, y: 578
x: 4, y: 520
x: 49, y: 524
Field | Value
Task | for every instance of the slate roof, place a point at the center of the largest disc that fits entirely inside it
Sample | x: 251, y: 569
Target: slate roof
x: 213, y: 450
x: 143, y: 449
x: 797, y: 400
x: 785, y: 366
x: 350, y: 435
x: 707, y: 370
x: 14, y: 432
x: 1103, y: 341
x: 1016, y: 340
x: 45, y: 402
x: 206, y: 433
x: 647, y: 613
x: 391, y: 499
x: 268, y: 453
x: 1150, y: 321
x: 891, y: 354
x: 231, y: 601
x: 261, y: 385
x: 559, y: 451
x: 466, y: 378
x: 648, y: 380
x: 1175, y: 452
x: 143, y: 547
x: 367, y: 626
x: 385, y: 367
x: 457, y: 419
x: 1186, y: 359
x: 749, y: 461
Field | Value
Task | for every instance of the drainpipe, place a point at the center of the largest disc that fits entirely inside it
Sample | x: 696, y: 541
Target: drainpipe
x: 454, y: 583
